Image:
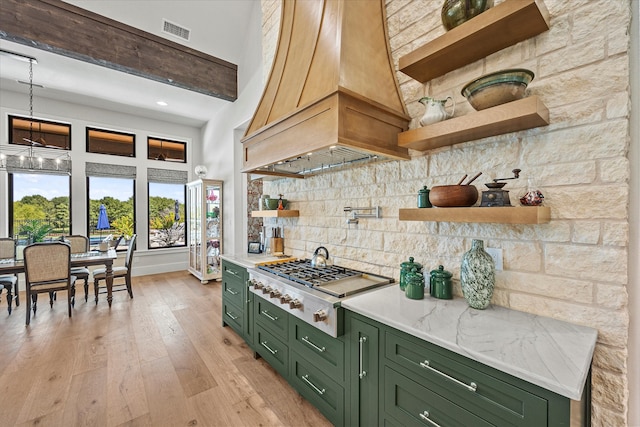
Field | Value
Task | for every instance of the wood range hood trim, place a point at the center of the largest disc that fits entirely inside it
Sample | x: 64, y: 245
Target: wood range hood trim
x: 332, y: 92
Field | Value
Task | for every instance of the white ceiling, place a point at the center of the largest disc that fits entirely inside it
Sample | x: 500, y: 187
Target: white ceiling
x: 218, y: 28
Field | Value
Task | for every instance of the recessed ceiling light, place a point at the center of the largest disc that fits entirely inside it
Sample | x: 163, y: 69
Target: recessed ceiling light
x: 162, y: 103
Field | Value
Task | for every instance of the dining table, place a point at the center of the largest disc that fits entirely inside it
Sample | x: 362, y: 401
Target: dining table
x: 85, y: 259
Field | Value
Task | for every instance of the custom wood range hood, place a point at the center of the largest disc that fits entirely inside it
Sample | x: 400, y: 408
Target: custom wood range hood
x: 332, y: 99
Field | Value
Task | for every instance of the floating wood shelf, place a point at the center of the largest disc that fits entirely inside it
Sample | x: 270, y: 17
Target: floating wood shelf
x: 275, y: 214
x: 502, y: 26
x: 499, y: 215
x: 518, y: 115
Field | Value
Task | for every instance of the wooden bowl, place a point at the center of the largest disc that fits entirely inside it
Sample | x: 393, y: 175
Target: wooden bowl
x: 449, y: 196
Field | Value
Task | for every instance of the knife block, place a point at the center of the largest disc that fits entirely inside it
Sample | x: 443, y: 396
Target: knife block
x: 277, y: 245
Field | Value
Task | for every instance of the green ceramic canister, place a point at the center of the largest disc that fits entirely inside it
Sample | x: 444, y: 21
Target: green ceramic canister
x: 405, y: 268
x: 440, y: 282
x: 423, y: 198
x: 415, y: 284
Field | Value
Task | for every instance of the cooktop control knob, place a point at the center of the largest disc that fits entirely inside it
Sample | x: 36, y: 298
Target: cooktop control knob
x: 267, y: 289
x: 319, y: 316
x: 285, y: 299
x: 295, y: 304
x: 275, y: 293
x: 257, y: 285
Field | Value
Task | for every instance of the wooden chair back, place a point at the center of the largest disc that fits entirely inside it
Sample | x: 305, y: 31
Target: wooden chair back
x: 79, y: 243
x: 7, y: 248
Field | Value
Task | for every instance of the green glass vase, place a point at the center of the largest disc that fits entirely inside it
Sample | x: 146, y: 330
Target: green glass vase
x: 477, y: 276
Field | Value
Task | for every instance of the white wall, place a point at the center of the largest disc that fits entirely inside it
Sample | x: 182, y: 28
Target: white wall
x: 222, y: 152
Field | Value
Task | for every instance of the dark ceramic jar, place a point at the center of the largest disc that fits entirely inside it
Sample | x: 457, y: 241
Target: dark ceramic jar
x: 423, y: 198
x: 441, y: 286
x: 415, y: 284
x: 456, y: 12
x: 406, y: 268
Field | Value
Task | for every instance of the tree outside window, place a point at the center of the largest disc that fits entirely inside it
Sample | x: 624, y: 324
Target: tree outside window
x: 166, y: 215
x: 40, y: 207
x: 118, y: 197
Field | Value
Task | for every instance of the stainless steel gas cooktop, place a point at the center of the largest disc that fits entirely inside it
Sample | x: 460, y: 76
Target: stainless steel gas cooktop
x: 334, y: 280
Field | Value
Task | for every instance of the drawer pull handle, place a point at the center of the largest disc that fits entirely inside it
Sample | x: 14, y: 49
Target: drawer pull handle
x: 233, y: 273
x: 264, y: 344
x: 231, y: 291
x: 471, y: 386
x: 266, y: 314
x: 362, y: 373
x: 425, y: 416
x: 306, y: 379
x: 232, y: 316
x: 320, y: 349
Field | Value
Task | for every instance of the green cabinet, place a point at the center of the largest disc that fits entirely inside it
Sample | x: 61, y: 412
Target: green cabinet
x: 312, y: 361
x: 398, y: 379
x: 363, y: 343
x: 237, y: 301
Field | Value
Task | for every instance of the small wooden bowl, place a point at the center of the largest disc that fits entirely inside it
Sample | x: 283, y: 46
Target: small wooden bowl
x: 450, y: 196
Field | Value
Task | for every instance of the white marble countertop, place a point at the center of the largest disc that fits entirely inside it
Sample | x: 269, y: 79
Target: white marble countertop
x: 550, y: 353
x: 250, y: 260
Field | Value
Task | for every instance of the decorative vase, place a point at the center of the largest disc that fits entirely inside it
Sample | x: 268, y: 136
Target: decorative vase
x: 532, y: 196
x: 456, y: 12
x: 477, y: 276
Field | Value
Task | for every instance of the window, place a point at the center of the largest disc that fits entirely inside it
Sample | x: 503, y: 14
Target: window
x: 166, y: 215
x: 102, y: 141
x: 39, y: 133
x: 117, y: 195
x: 167, y: 192
x: 166, y: 150
x: 39, y: 207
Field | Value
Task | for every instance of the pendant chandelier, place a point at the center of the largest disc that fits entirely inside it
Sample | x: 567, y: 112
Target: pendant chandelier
x: 37, y: 157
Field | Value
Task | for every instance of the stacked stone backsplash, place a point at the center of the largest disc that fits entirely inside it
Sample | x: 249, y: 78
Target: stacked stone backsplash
x: 573, y: 268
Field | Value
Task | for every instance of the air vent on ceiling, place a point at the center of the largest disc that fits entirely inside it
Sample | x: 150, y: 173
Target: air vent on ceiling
x: 175, y: 29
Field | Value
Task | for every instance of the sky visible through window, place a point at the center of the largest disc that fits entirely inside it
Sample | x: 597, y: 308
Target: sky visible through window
x: 48, y: 186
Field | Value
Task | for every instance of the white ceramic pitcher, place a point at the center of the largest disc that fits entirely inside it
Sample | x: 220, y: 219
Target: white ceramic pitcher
x: 435, y: 110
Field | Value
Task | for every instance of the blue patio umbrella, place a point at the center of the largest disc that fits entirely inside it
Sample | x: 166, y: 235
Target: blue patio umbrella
x: 103, y: 219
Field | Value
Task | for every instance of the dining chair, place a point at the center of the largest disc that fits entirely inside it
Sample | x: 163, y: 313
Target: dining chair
x: 47, y: 269
x: 79, y: 245
x: 99, y: 274
x: 9, y: 281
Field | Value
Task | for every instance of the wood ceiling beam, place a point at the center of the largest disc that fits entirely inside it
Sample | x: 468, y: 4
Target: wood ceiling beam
x: 65, y: 29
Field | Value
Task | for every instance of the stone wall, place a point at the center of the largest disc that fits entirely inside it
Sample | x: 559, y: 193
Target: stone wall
x: 575, y: 267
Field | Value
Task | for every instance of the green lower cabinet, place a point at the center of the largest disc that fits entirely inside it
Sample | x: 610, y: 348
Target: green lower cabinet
x: 272, y: 349
x: 501, y: 401
x: 235, y: 300
x: 321, y: 350
x: 396, y: 379
x: 233, y: 316
x: 411, y: 404
x: 318, y: 388
x: 363, y: 344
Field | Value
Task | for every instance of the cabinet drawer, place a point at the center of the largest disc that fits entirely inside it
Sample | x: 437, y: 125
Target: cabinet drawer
x: 233, y: 290
x: 272, y: 350
x: 323, y: 351
x: 412, y: 404
x: 467, y: 383
x: 318, y: 388
x: 233, y: 316
x: 274, y: 319
x: 232, y: 270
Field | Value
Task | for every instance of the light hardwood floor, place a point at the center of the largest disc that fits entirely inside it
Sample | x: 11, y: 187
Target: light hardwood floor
x: 159, y: 359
